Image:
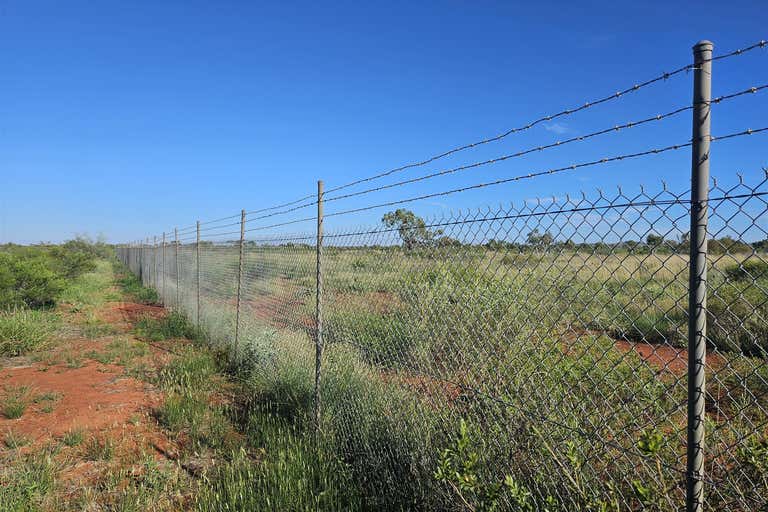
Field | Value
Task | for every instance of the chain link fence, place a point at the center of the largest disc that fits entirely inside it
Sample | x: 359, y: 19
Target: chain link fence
x: 599, y: 352
x: 555, y: 331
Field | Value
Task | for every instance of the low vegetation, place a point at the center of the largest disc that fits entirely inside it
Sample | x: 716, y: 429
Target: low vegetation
x: 455, y: 377
x: 489, y: 375
x: 33, y: 279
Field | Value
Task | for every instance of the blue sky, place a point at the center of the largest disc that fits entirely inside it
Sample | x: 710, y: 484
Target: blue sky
x: 128, y: 118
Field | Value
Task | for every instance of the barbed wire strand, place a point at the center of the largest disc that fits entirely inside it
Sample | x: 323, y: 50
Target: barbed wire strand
x: 588, y: 104
x: 663, y: 76
x: 501, y: 181
x: 615, y: 128
x: 544, y: 173
x: 547, y: 118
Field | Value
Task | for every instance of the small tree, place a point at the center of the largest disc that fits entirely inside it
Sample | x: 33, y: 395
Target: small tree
x: 537, y: 238
x: 654, y: 240
x: 412, y: 228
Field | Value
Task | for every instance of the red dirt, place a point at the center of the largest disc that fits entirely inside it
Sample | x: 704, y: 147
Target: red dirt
x: 425, y: 386
x: 94, y: 397
x: 126, y: 314
x: 277, y: 311
x: 97, y: 399
x: 665, y: 358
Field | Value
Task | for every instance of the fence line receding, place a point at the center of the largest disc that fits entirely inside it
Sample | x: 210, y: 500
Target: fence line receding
x: 598, y: 351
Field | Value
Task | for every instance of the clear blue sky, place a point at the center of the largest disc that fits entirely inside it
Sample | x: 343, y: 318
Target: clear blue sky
x: 127, y: 118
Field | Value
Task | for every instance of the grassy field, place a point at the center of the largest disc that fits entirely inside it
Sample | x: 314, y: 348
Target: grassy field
x: 108, y: 402
x: 526, y: 378
x: 465, y: 378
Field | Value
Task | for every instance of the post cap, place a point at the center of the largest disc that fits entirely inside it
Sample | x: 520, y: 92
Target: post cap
x: 703, y: 45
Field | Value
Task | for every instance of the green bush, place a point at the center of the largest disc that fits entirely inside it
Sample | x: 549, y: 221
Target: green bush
x: 35, y: 276
x: 27, y: 281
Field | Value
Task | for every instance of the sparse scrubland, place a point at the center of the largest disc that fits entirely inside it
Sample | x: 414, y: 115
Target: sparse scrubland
x: 455, y: 377
x: 483, y: 377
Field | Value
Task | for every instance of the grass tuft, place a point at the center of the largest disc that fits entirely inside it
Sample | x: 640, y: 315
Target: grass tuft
x: 15, y: 401
x: 15, y: 440
x: 131, y: 286
x: 99, y: 449
x: 174, y: 325
x: 73, y: 437
x: 23, y: 331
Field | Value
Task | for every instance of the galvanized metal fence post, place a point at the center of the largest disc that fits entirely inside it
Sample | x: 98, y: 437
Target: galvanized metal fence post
x: 162, y: 299
x: 697, y: 291
x: 150, y: 270
x: 239, y: 281
x: 147, y: 275
x: 176, y: 255
x: 197, y: 272
x: 318, y: 303
x: 154, y: 262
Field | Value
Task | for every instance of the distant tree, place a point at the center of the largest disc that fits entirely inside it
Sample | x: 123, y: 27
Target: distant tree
x: 496, y: 245
x: 727, y: 244
x: 536, y: 238
x: 761, y: 245
x: 446, y: 241
x: 412, y: 228
x: 654, y: 240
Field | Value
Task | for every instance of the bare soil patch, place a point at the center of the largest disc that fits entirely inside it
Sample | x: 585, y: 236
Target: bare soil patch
x: 126, y: 314
x: 665, y: 358
x: 92, y: 398
x: 426, y: 387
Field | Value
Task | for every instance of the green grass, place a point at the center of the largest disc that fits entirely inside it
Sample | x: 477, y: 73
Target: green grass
x: 47, y: 400
x: 99, y: 448
x: 94, y: 327
x: 132, y: 287
x: 520, y: 344
x: 26, y: 483
x: 89, y: 289
x: 73, y: 437
x: 73, y: 361
x: 173, y: 325
x: 121, y: 350
x: 15, y: 440
x: 15, y: 401
x: 23, y: 331
x: 287, y: 473
x: 145, y: 486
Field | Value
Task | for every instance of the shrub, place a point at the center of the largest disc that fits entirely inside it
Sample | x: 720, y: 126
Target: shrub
x: 27, y: 282
x: 35, y: 276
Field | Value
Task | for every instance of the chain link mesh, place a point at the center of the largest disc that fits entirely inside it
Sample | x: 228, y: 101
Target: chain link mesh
x: 555, y: 331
